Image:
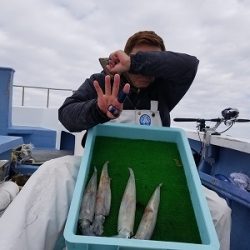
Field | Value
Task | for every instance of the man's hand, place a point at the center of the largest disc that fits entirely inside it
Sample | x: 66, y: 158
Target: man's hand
x: 119, y: 62
x: 108, y: 102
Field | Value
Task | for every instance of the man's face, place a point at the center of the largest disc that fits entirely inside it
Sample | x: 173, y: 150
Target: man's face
x: 141, y: 81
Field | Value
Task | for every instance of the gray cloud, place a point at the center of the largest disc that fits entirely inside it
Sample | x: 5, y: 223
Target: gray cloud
x: 57, y: 43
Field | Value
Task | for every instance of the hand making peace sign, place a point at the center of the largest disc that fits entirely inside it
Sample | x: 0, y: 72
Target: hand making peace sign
x: 111, y: 102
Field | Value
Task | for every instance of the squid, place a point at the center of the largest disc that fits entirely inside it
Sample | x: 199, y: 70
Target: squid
x: 148, y: 221
x: 88, y: 205
x: 103, y: 201
x: 127, y: 209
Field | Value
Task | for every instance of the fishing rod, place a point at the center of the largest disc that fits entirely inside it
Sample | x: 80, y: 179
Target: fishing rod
x: 229, y: 117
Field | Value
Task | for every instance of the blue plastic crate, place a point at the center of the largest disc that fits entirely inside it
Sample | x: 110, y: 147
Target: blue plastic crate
x: 202, y: 215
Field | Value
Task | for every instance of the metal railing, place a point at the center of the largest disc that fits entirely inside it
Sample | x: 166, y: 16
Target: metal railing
x: 48, y: 92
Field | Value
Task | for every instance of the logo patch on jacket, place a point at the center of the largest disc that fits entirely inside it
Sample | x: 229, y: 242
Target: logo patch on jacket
x: 145, y: 120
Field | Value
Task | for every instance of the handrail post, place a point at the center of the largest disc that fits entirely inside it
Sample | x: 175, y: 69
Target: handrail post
x: 22, y: 95
x: 48, y: 98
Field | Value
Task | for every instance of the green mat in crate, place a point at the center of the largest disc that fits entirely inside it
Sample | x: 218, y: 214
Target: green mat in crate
x: 153, y: 162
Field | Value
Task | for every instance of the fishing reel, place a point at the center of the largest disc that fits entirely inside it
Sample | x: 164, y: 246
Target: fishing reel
x: 230, y: 115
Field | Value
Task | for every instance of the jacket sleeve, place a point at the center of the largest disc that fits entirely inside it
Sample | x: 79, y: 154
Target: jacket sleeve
x: 174, y: 72
x: 80, y: 111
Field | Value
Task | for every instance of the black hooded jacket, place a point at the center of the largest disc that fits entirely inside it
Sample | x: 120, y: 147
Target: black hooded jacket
x: 173, y: 72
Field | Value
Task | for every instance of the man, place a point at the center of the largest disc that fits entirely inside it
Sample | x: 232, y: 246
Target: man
x: 142, y: 78
x: 151, y: 73
x: 151, y: 79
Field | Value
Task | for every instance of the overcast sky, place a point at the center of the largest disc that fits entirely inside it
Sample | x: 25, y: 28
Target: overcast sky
x: 57, y: 43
